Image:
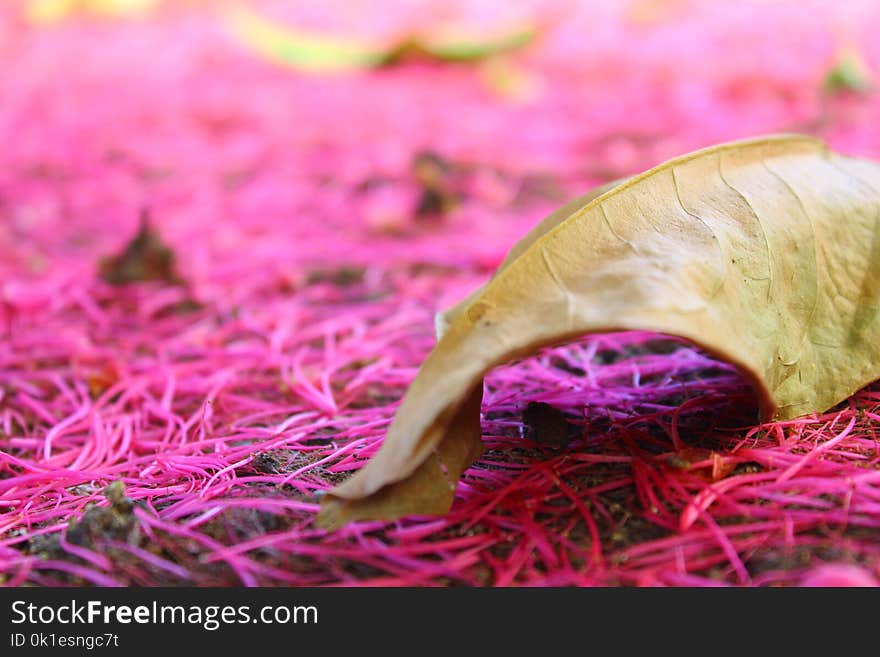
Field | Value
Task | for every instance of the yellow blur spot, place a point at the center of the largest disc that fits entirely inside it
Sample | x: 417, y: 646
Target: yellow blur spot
x: 652, y: 12
x: 510, y: 81
x: 53, y: 11
x: 848, y: 73
x: 312, y: 52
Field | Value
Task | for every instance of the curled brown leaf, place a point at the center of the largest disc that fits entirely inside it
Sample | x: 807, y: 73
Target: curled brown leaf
x: 764, y: 252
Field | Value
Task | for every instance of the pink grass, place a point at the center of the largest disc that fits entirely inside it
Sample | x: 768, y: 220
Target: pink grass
x: 290, y: 201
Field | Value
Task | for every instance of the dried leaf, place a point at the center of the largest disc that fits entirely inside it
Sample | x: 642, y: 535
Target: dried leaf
x: 546, y: 425
x: 765, y: 253
x: 444, y: 319
x: 456, y: 47
x: 310, y: 51
x: 145, y: 258
x: 434, y: 175
x: 299, y: 49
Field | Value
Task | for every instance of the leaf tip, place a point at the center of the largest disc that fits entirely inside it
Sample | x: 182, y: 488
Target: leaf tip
x: 144, y: 258
x: 331, y: 516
